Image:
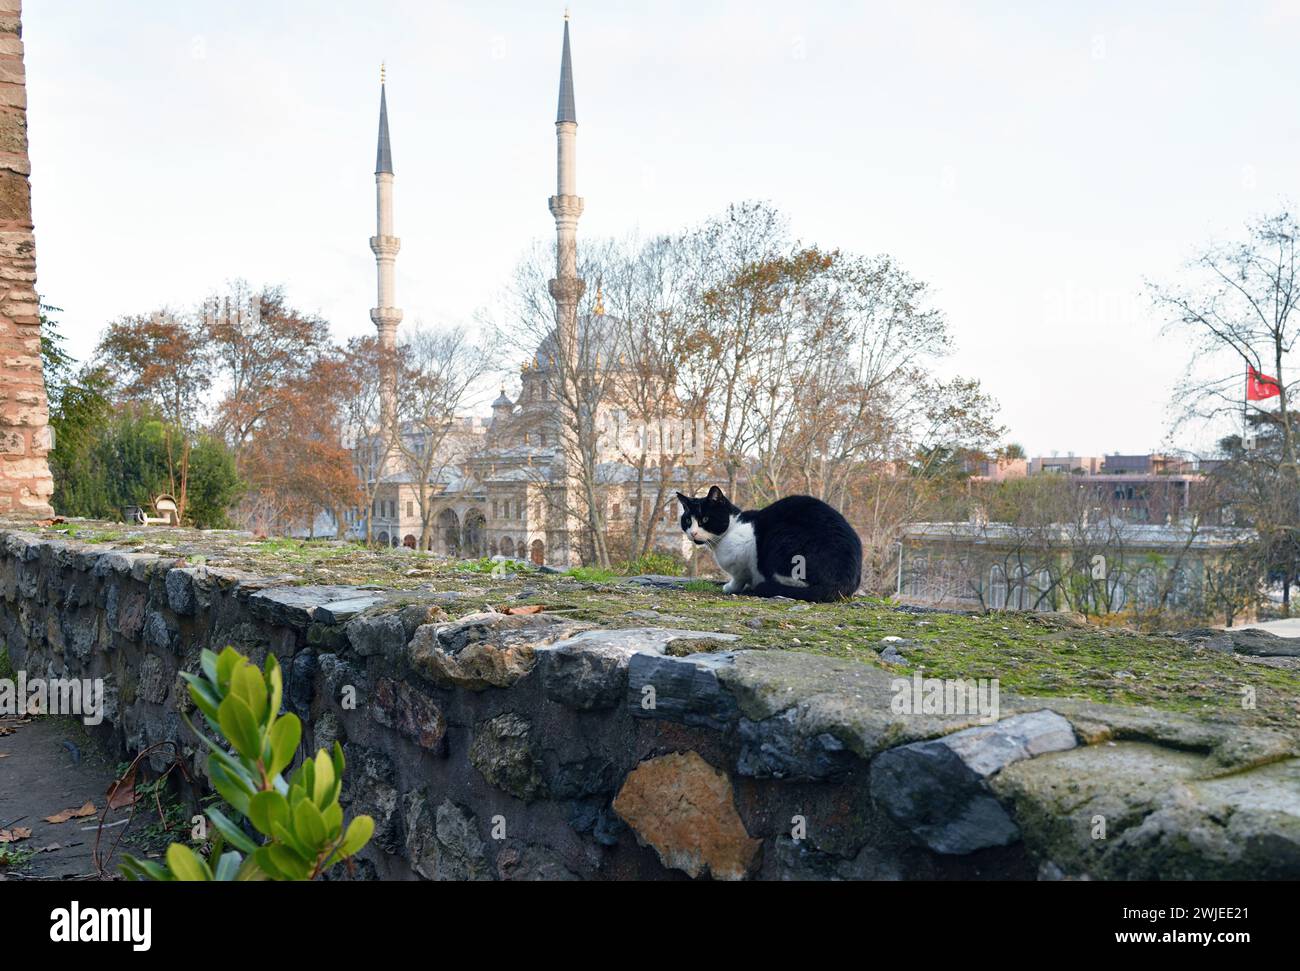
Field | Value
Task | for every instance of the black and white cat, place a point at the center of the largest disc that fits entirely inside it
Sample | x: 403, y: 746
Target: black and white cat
x: 798, y: 547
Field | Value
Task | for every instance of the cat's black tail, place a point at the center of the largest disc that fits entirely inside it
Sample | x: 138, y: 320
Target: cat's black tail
x: 813, y: 594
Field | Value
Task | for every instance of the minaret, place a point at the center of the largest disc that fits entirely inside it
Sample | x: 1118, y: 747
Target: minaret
x: 385, y: 246
x: 566, y: 207
x: 566, y: 290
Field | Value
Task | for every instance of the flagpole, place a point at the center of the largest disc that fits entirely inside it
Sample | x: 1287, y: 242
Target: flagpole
x: 1245, y: 408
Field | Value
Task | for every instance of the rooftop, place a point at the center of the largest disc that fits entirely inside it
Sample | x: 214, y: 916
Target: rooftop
x: 1134, y: 534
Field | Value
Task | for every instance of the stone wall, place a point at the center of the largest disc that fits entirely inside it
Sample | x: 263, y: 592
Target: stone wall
x: 25, y: 483
x: 491, y: 745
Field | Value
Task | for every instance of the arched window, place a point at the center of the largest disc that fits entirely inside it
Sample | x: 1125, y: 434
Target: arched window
x: 1041, y: 599
x: 1180, y: 587
x: 916, y: 575
x: 449, y: 527
x: 1146, y: 589
x: 1118, y: 591
x: 474, y: 534
x: 997, y: 597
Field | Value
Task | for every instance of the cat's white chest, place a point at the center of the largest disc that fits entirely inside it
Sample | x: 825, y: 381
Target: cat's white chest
x: 737, y: 553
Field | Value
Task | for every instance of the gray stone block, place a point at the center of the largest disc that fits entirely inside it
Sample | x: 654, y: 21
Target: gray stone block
x: 681, y: 689
x: 589, y: 670
x: 936, y: 789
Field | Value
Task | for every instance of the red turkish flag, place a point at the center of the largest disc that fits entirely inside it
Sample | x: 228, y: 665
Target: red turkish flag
x: 1260, y: 386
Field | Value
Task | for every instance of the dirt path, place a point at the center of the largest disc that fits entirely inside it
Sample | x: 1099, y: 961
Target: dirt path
x: 48, y: 765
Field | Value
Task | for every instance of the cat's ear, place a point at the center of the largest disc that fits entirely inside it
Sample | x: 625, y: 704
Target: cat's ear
x: 715, y: 495
x: 684, y: 500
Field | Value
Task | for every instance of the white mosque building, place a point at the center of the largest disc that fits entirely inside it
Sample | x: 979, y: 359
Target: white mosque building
x: 506, y: 485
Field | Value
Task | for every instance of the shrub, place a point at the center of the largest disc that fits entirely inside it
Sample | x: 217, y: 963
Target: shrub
x: 300, y: 822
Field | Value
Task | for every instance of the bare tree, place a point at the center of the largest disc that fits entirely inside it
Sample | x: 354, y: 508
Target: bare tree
x: 261, y: 347
x: 837, y: 386
x: 573, y: 383
x: 653, y: 429
x: 731, y: 351
x: 360, y: 415
x: 1237, y: 309
x: 436, y: 372
x: 731, y: 319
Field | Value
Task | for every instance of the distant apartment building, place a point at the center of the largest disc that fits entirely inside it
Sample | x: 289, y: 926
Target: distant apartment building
x: 1105, y: 567
x: 998, y: 469
x: 1152, y: 488
x: 1066, y: 464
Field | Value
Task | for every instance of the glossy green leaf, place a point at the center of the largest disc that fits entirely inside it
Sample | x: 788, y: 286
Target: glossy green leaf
x: 266, y: 809
x: 290, y: 841
x: 236, y: 770
x: 333, y: 816
x: 208, y: 663
x: 232, y: 789
x: 236, y: 836
x: 247, y: 685
x: 359, y: 832
x: 275, y: 679
x: 227, y: 661
x: 252, y: 869
x: 228, y: 866
x: 304, y: 778
x: 289, y: 863
x: 265, y: 862
x: 205, y: 698
x: 286, y: 734
x: 238, y: 725
x: 134, y: 869
x: 323, y: 783
x: 185, y: 864
x: 309, y: 826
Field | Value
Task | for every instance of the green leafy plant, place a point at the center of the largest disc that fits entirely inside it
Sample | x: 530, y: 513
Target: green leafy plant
x: 300, y: 820
x: 14, y: 857
x: 664, y: 564
x: 702, y: 586
x: 592, y: 574
x: 484, y: 564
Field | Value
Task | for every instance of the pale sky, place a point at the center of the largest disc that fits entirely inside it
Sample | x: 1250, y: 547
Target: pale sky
x: 1032, y: 161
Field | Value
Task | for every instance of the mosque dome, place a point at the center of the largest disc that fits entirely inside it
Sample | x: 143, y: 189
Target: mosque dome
x: 601, y: 339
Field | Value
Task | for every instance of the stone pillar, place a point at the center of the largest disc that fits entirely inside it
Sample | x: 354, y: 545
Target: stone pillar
x: 25, y: 483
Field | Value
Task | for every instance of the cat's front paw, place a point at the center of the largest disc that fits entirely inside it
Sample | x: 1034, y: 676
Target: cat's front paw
x: 732, y: 586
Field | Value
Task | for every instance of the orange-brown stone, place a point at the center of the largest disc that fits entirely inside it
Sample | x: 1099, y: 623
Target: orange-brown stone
x: 685, y: 809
